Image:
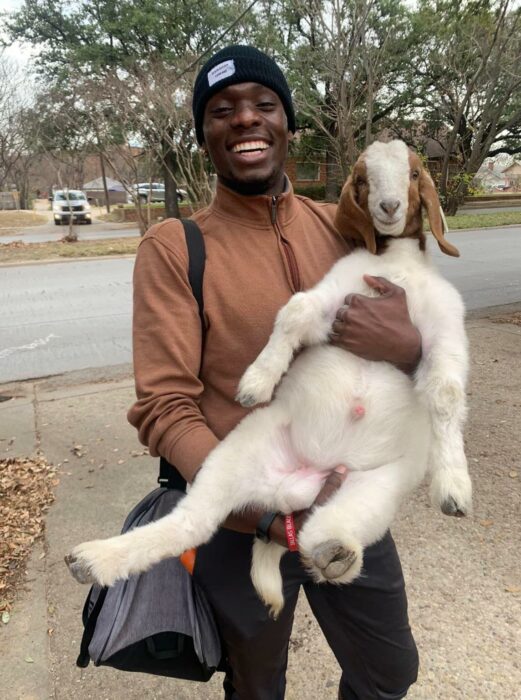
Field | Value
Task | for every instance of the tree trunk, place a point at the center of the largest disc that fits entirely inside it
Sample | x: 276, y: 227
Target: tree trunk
x: 455, y: 198
x: 104, y: 178
x: 332, y: 177
x: 169, y: 168
x: 451, y: 207
x: 23, y: 193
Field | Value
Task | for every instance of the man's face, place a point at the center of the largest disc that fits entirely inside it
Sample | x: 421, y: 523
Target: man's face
x: 246, y: 135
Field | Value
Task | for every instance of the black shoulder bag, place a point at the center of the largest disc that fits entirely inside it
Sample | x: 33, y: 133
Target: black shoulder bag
x: 158, y: 622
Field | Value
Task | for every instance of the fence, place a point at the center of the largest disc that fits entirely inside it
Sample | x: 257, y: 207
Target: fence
x: 9, y: 200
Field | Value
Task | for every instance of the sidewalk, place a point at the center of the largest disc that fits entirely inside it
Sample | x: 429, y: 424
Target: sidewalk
x: 463, y: 576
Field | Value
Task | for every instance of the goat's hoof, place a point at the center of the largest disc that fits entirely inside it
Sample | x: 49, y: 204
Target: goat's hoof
x: 256, y: 386
x: 246, y: 400
x: 79, y: 570
x: 450, y: 507
x: 99, y: 561
x: 332, y: 561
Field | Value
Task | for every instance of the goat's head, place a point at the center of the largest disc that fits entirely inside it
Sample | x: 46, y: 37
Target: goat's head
x: 384, y: 196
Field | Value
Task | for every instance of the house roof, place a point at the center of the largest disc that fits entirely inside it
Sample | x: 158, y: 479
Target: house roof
x: 490, y: 176
x: 516, y: 165
x: 97, y: 184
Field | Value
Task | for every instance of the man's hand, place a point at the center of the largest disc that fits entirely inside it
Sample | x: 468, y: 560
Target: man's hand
x: 378, y: 328
x: 330, y: 486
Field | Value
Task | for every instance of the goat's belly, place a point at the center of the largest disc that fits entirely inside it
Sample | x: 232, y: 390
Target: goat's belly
x: 345, y: 410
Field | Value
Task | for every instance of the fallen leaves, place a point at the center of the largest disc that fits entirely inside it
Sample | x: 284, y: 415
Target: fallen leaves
x: 26, y: 491
x: 514, y: 319
x: 513, y: 589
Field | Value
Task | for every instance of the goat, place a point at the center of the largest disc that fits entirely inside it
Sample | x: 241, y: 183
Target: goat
x: 332, y: 407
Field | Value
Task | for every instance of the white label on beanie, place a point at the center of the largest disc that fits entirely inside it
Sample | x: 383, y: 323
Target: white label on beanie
x: 221, y: 71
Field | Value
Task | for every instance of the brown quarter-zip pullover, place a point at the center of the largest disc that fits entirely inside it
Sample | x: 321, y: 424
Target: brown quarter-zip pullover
x: 259, y: 251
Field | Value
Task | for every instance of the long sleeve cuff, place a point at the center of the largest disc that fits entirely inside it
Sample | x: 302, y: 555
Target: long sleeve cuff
x: 189, y: 451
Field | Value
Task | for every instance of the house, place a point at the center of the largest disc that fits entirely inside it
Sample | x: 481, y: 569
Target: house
x: 513, y: 176
x: 490, y: 178
x: 96, y: 193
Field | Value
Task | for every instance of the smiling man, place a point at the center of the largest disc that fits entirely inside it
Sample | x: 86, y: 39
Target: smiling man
x: 263, y: 243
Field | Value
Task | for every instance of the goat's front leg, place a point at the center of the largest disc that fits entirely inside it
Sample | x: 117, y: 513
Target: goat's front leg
x: 305, y: 320
x: 441, y: 379
x: 451, y: 487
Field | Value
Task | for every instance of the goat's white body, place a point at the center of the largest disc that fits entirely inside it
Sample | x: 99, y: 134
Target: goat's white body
x: 278, y: 456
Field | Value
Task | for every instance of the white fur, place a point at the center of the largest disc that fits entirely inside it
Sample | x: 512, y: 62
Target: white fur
x: 278, y: 456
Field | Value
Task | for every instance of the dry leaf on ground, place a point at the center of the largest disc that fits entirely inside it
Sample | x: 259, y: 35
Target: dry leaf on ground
x: 514, y: 319
x: 26, y: 491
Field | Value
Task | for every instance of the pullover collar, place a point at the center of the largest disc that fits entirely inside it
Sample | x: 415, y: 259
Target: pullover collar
x: 255, y: 211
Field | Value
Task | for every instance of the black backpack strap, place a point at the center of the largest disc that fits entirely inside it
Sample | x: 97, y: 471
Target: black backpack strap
x: 196, y: 261
x: 168, y: 474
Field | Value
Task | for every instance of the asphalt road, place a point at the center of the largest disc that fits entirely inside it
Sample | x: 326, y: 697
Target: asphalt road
x: 49, y: 232
x: 64, y: 316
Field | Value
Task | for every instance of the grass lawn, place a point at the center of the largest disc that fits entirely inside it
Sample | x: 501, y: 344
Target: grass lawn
x: 12, y: 220
x: 467, y: 220
x: 24, y: 252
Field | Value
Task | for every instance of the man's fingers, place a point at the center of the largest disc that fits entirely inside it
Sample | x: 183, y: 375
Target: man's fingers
x: 381, y: 284
x: 340, y: 314
x: 333, y: 482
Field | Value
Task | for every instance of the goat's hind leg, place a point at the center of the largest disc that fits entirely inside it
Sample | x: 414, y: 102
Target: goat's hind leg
x: 333, y: 538
x: 192, y: 522
x: 304, y: 320
x: 226, y: 482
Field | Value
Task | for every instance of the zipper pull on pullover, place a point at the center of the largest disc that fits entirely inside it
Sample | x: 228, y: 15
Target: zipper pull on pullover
x: 274, y: 201
x: 291, y: 261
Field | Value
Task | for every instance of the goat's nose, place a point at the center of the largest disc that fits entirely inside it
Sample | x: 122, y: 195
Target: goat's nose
x: 390, y: 206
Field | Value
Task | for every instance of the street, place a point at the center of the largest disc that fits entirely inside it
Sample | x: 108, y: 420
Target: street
x: 64, y: 316
x: 49, y: 232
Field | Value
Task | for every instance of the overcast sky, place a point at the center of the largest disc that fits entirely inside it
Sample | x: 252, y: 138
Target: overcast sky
x: 17, y: 52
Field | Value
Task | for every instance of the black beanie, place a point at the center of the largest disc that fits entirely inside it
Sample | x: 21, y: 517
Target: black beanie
x: 238, y: 64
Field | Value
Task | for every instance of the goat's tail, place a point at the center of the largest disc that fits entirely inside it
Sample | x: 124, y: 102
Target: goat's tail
x: 266, y: 576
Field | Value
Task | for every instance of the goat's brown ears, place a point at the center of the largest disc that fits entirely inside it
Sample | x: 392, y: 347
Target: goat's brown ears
x: 429, y: 199
x: 351, y: 221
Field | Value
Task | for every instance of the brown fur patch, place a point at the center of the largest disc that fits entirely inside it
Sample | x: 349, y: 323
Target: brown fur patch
x: 353, y: 220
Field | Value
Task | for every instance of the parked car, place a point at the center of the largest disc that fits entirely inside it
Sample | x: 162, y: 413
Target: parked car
x: 67, y: 203
x: 155, y: 192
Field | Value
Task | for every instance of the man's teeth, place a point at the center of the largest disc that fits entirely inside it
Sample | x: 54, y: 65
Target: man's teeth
x: 250, y: 146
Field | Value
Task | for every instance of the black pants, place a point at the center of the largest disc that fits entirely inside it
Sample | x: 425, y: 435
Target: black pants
x: 365, y: 622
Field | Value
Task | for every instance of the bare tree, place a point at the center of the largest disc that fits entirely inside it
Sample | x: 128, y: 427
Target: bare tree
x: 143, y: 125
x: 345, y: 65
x: 14, y: 100
x: 468, y: 80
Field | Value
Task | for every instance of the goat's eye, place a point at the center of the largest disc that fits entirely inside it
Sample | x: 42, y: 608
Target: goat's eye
x: 360, y: 181
x: 415, y: 174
